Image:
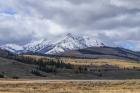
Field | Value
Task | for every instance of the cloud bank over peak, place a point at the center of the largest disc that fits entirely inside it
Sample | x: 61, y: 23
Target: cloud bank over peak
x: 116, y: 22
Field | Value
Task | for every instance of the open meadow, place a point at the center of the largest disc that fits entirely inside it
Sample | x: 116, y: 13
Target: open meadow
x: 68, y: 75
x: 69, y: 86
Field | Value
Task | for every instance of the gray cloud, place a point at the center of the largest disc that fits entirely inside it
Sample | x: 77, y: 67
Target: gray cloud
x: 112, y: 21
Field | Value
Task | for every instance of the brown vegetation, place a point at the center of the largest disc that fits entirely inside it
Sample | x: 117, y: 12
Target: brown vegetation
x: 64, y: 86
x: 122, y: 63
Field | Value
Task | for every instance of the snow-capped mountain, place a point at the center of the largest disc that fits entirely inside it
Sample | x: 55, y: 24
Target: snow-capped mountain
x: 36, y: 46
x: 69, y: 42
x: 14, y: 48
x: 33, y: 46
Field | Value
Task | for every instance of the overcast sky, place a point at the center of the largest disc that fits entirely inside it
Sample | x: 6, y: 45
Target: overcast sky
x: 115, y: 22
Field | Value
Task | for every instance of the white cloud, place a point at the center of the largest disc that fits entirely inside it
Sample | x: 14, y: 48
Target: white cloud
x: 55, y: 28
x: 19, y: 28
x: 111, y: 21
x: 130, y: 4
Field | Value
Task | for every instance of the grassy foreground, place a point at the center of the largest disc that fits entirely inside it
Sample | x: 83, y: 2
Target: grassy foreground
x: 69, y: 86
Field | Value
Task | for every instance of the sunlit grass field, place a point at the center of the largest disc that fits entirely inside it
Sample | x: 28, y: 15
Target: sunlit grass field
x: 71, y: 86
x: 102, y: 85
x: 122, y: 63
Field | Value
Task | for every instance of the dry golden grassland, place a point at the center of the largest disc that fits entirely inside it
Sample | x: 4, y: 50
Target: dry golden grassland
x: 117, y: 62
x: 75, y: 86
x: 35, y: 56
x: 71, y: 86
x: 122, y: 63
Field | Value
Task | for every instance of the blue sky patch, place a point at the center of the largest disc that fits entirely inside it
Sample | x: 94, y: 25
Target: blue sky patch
x: 9, y: 11
x: 128, y: 45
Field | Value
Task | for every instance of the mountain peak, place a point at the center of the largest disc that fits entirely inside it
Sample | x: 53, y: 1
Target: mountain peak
x: 37, y: 45
x: 69, y: 42
x: 69, y: 35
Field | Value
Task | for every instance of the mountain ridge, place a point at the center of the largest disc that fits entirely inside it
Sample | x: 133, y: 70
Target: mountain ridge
x: 69, y: 42
x: 103, y: 52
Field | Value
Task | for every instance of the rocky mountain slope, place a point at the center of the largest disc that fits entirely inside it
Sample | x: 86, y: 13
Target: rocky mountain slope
x: 69, y: 42
x: 103, y: 52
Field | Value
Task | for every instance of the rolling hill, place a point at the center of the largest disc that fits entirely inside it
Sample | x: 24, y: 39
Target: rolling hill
x: 103, y: 52
x: 53, y: 67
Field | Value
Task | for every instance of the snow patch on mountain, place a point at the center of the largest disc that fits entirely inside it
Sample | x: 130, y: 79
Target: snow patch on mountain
x: 89, y: 42
x: 69, y: 42
x: 12, y: 48
x: 36, y: 46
